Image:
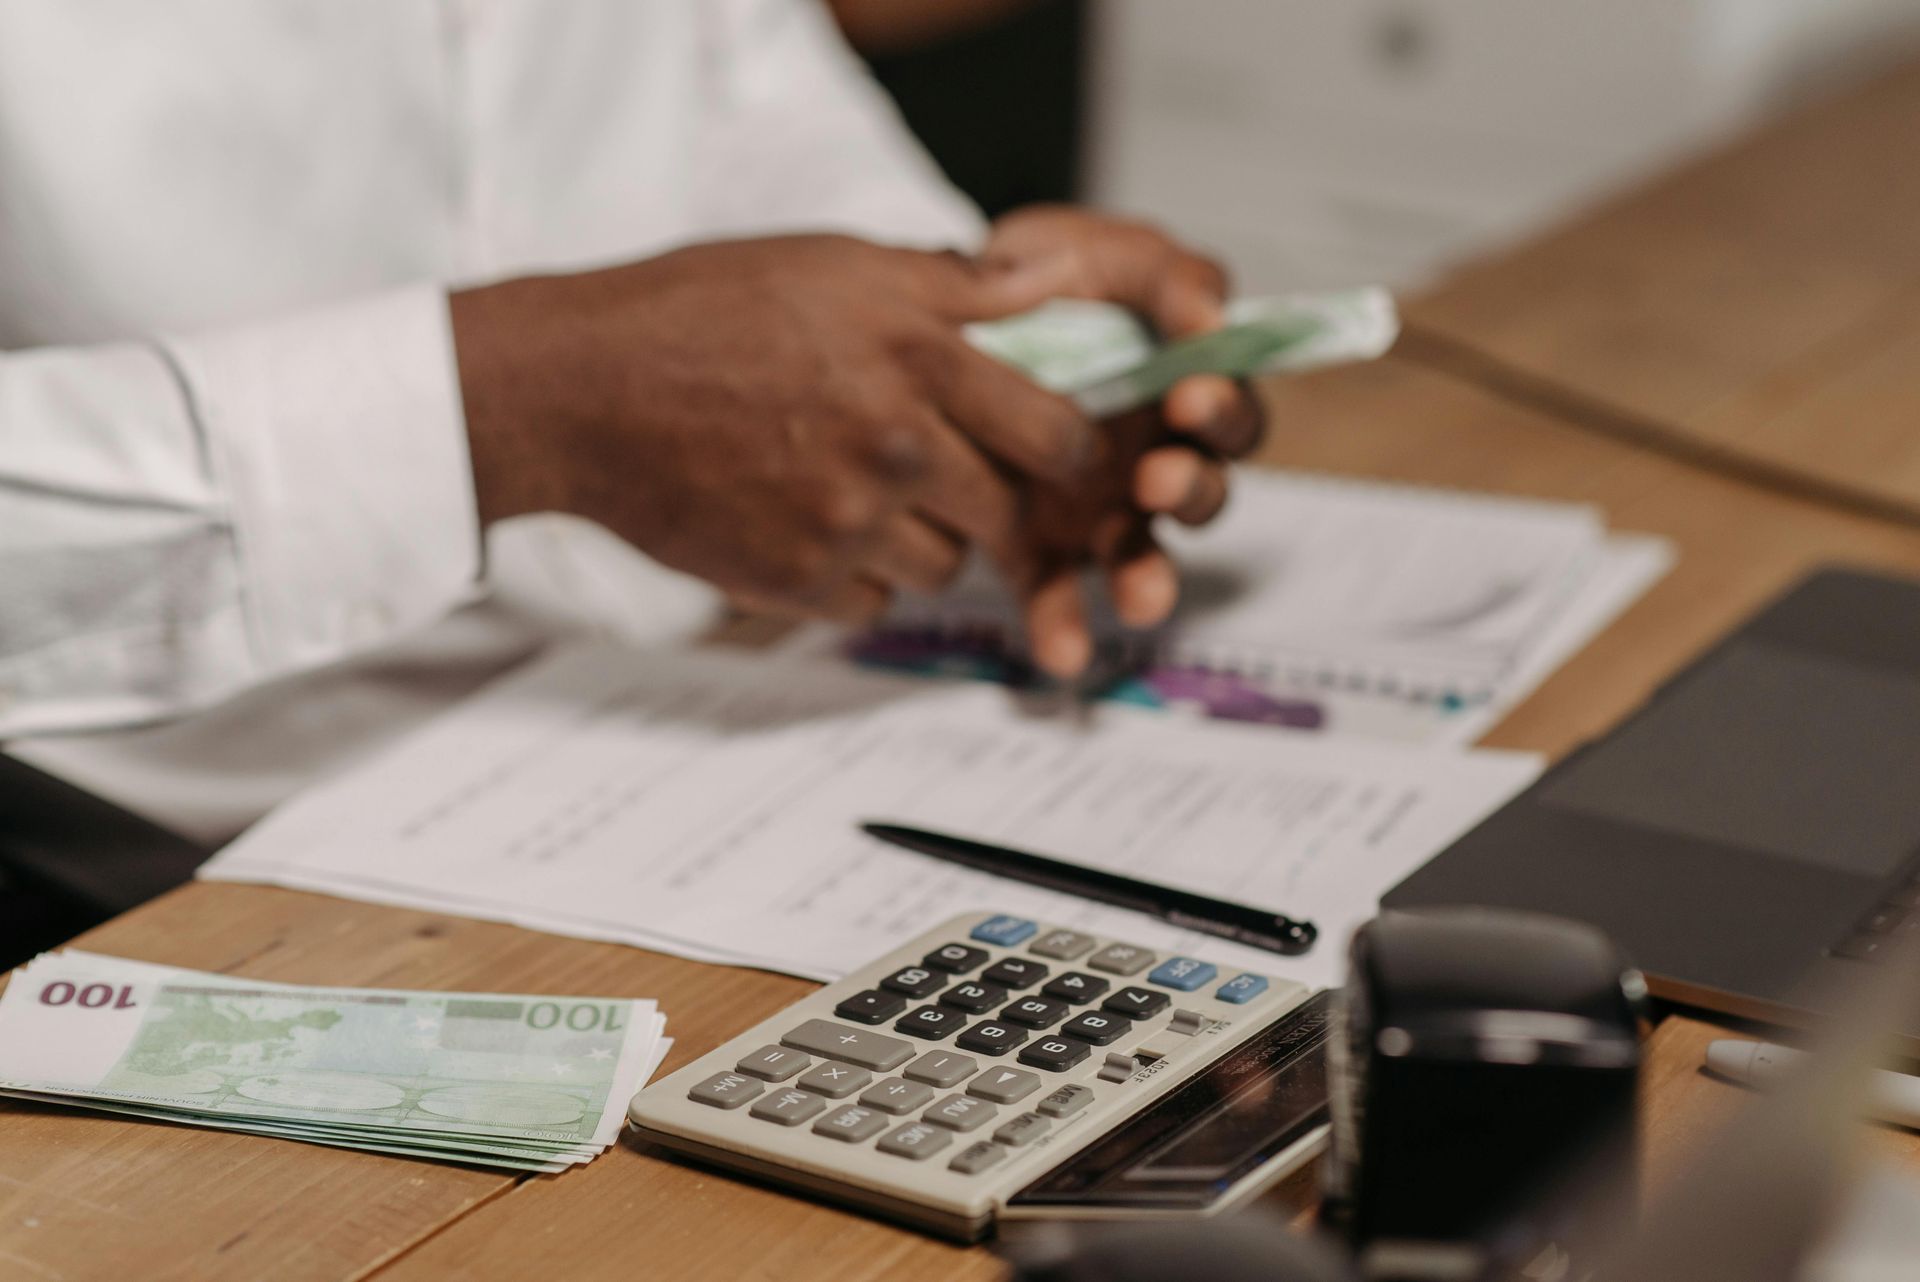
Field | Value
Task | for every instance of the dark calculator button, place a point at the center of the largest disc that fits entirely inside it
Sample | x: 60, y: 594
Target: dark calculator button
x: 871, y: 1007
x: 1100, y: 1028
x: 991, y: 1037
x: 931, y: 1022
x: 1076, y: 987
x: 1035, y: 1012
x: 973, y: 998
x: 1055, y: 1054
x: 955, y: 959
x: 915, y: 981
x: 1014, y: 972
x: 1136, y: 1003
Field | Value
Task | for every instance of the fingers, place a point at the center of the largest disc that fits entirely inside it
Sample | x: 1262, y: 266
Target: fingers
x: 961, y: 290
x: 913, y: 555
x: 1178, y: 482
x: 1133, y: 264
x: 1141, y: 580
x: 1188, y: 295
x: 1223, y: 415
x: 1003, y: 412
x: 960, y: 489
x: 1056, y: 620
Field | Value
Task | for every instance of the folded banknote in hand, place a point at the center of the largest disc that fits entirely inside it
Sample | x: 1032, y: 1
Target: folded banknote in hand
x: 527, y: 1082
x: 1109, y: 361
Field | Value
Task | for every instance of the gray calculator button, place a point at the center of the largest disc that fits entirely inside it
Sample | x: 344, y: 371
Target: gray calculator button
x: 961, y: 1113
x: 835, y: 1081
x: 773, y: 1063
x: 1004, y: 1085
x: 916, y: 1140
x: 725, y: 1090
x: 1119, y: 1067
x: 941, y: 1068
x: 896, y: 1096
x: 1022, y: 1130
x: 859, y: 1046
x: 1063, y: 945
x: 1065, y: 1101
x: 852, y: 1124
x: 1121, y: 959
x: 975, y: 1158
x: 788, y: 1107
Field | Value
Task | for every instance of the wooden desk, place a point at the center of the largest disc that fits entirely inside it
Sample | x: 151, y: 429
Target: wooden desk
x: 1760, y: 307
x: 1746, y: 306
x: 95, y: 1197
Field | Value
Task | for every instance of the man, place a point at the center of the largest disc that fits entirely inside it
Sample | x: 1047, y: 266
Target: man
x: 299, y: 297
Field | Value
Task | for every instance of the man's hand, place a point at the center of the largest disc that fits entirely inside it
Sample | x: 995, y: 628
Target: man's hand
x: 795, y: 420
x: 1169, y: 462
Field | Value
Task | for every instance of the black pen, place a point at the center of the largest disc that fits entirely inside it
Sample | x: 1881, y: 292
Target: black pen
x: 1275, y: 932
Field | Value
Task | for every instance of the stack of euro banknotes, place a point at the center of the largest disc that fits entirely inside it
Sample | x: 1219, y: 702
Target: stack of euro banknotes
x: 532, y: 1083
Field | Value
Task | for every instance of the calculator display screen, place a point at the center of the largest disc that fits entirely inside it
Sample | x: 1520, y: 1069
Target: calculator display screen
x: 1189, y: 1148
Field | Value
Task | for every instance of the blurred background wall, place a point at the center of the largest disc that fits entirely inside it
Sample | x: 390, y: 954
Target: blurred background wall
x: 1313, y: 142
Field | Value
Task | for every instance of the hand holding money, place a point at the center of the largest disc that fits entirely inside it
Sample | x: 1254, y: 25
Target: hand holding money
x: 525, y: 1082
x: 1141, y: 335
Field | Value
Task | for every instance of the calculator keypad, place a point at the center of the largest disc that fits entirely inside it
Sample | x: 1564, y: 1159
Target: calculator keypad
x: 981, y: 1052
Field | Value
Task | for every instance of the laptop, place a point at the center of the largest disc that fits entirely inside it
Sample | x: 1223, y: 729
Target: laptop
x: 1750, y: 835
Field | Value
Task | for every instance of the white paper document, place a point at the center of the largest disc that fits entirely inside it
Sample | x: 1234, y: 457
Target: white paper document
x: 706, y: 803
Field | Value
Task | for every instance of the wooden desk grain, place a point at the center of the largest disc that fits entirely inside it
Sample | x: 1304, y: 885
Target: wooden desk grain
x: 93, y: 1197
x: 1761, y: 305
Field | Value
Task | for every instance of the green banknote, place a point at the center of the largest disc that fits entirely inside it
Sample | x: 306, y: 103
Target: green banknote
x: 1109, y: 361
x: 533, y: 1082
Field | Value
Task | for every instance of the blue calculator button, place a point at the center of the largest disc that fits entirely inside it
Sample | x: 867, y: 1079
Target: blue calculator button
x: 1242, y: 988
x: 1182, y: 973
x: 1005, y: 931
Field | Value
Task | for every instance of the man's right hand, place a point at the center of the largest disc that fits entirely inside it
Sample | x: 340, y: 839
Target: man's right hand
x: 796, y: 420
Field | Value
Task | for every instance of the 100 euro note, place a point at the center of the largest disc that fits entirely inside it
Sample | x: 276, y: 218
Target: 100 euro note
x: 531, y: 1082
x: 1109, y: 361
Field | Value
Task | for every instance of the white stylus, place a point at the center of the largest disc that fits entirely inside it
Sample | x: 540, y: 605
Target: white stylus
x: 1895, y: 1096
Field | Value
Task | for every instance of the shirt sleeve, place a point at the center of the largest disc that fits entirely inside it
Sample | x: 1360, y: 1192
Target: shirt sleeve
x: 184, y: 518
x: 797, y: 136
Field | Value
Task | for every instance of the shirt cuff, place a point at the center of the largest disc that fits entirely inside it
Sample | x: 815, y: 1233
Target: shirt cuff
x: 339, y: 439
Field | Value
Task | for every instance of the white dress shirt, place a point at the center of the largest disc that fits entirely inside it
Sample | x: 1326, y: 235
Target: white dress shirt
x: 232, y: 451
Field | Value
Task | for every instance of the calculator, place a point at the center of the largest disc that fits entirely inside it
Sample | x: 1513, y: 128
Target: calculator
x: 998, y: 1068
